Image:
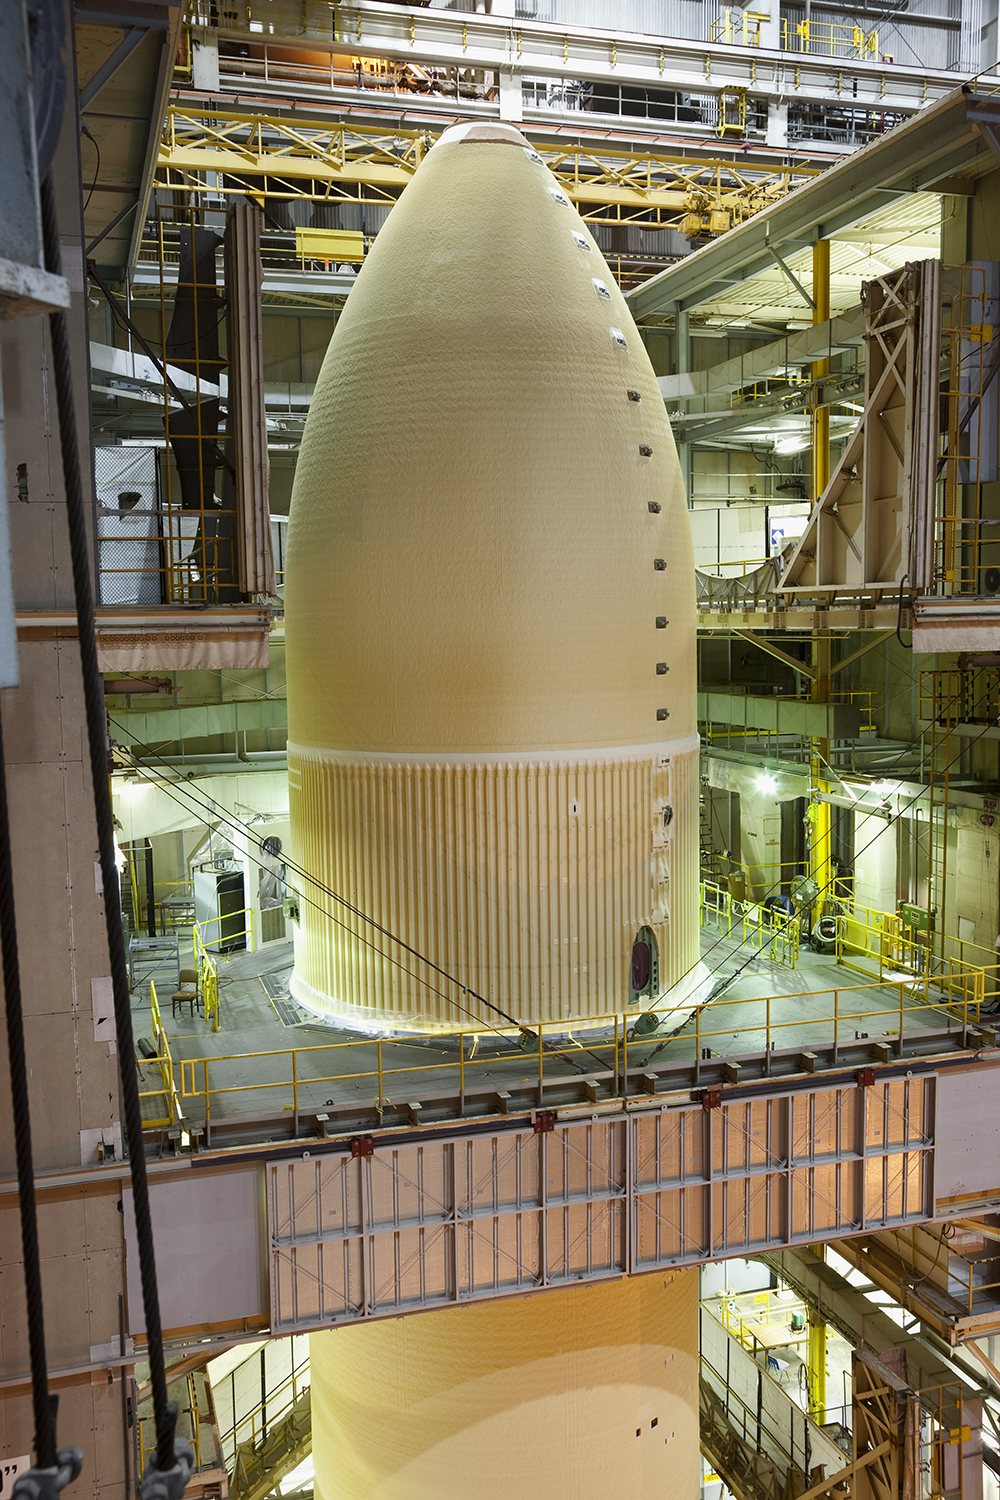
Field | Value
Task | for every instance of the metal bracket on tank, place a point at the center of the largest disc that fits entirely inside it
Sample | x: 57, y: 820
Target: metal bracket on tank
x: 362, y: 1145
x: 544, y: 1122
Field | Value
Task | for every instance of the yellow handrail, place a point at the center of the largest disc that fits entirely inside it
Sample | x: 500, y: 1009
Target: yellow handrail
x: 164, y: 1062
x: 769, y: 929
x: 829, y: 38
x: 244, y: 932
x: 962, y: 1001
x: 208, y: 979
x: 887, y: 939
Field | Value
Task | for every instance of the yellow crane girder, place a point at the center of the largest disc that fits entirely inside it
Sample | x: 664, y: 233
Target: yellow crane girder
x: 319, y: 160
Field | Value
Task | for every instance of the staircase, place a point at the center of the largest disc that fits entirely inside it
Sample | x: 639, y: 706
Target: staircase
x: 261, y: 1466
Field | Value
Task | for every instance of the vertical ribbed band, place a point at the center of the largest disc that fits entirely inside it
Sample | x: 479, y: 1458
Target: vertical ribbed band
x: 527, y: 881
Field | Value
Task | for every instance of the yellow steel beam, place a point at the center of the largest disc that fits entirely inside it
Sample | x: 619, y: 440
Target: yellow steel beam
x: 817, y: 1368
x: 307, y: 159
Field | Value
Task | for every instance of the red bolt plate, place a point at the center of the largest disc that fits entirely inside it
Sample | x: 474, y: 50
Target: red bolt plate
x: 711, y: 1098
x: 362, y: 1145
x: 864, y: 1078
x: 545, y: 1123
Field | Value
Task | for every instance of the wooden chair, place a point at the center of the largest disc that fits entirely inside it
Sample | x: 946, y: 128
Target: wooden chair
x: 182, y: 998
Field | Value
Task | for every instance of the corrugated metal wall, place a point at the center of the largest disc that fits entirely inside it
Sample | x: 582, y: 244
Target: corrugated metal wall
x: 926, y: 46
x: 681, y: 18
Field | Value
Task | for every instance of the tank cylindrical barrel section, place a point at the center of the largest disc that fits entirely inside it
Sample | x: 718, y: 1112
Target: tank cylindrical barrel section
x: 490, y: 624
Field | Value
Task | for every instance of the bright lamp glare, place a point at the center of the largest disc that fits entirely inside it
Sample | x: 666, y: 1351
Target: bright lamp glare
x: 766, y: 784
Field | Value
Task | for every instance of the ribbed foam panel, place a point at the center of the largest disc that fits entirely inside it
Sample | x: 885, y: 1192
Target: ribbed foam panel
x: 578, y: 1394
x: 530, y: 880
x: 490, y: 619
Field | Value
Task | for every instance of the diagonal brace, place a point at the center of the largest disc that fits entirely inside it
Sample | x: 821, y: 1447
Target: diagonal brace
x: 768, y: 646
x: 796, y: 283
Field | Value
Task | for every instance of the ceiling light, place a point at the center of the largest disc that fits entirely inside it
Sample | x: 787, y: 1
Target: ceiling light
x: 766, y: 783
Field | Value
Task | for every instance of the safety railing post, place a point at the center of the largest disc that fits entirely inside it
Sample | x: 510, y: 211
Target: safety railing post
x: 208, y: 1107
x: 624, y: 1057
x: 461, y: 1072
x: 767, y: 1039
x: 379, y: 1105
x: 902, y: 1014
x: 836, y: 1025
x: 617, y: 1044
x: 295, y: 1091
x: 697, y: 1046
x: 541, y: 1079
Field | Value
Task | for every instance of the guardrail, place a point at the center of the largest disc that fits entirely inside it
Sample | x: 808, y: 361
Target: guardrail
x: 164, y: 1062
x: 609, y: 1045
x: 891, y: 944
x: 274, y: 1404
x: 828, y: 39
x: 769, y: 929
x: 208, y: 978
x: 231, y: 939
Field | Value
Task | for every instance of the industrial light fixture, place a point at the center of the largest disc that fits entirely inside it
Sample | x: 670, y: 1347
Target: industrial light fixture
x: 766, y: 783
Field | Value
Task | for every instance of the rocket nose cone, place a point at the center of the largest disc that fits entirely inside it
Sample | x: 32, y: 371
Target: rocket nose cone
x: 483, y: 131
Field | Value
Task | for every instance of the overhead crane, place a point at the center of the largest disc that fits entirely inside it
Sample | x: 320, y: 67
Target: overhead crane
x: 263, y: 156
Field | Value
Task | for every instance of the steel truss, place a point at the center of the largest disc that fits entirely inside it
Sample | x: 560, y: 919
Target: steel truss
x: 903, y: 509
x: 275, y: 157
x: 424, y: 1223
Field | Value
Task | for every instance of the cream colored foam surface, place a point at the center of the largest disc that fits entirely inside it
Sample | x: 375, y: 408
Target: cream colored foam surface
x: 549, y: 1397
x: 471, y: 581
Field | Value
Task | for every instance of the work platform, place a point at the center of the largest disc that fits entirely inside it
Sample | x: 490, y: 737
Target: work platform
x: 782, y: 1116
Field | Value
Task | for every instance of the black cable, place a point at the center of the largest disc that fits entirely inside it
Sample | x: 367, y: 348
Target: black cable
x: 203, y: 807
x: 899, y: 614
x: 45, y: 1437
x: 901, y: 812
x: 172, y: 787
x: 342, y: 901
x: 235, y: 823
x: 99, y: 768
x: 777, y: 883
x: 97, y: 169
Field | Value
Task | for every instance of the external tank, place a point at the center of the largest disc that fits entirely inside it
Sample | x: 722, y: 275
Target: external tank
x: 490, y: 626
x: 577, y: 1394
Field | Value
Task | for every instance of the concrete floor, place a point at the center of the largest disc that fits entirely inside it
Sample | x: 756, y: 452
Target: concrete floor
x: 250, y: 1059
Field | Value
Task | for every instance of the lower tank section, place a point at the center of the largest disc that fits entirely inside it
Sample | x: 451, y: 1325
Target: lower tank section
x: 570, y: 1395
x: 526, y: 879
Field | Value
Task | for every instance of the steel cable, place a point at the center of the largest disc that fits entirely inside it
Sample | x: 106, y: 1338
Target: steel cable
x: 45, y: 1438
x: 99, y: 768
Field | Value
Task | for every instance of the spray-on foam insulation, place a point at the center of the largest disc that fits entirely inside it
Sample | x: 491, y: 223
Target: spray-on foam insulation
x: 490, y: 618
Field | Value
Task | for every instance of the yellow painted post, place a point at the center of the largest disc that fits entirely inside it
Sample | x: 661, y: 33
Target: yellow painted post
x: 817, y: 1367
x: 821, y: 367
x: 819, y: 855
